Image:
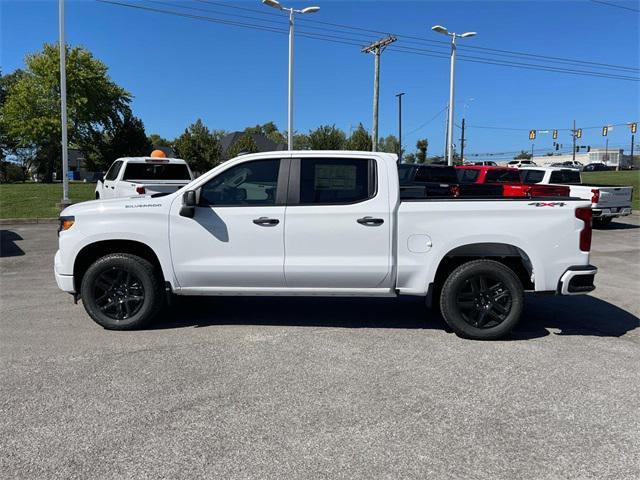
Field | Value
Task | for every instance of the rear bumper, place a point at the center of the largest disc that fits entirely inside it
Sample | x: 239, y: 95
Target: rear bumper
x: 577, y: 280
x: 611, y: 212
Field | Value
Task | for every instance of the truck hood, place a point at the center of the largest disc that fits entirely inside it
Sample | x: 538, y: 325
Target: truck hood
x: 129, y: 205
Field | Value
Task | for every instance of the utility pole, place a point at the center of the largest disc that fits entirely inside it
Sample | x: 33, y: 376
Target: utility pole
x: 462, y: 143
x: 399, y: 95
x: 377, y: 48
x: 633, y: 137
x: 573, y: 135
x: 63, y: 107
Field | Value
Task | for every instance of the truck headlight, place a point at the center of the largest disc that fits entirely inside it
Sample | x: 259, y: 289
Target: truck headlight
x: 66, y: 223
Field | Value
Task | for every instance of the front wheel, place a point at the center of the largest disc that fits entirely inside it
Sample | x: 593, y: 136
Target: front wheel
x: 482, y: 300
x: 122, y: 291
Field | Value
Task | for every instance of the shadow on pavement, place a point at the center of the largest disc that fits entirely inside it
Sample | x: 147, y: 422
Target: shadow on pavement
x: 8, y: 247
x: 578, y: 315
x: 617, y: 225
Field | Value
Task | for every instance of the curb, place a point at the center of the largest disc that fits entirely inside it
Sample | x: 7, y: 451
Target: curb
x: 27, y: 221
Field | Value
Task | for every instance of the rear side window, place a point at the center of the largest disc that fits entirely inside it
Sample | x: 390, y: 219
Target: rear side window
x: 467, y: 175
x: 112, y: 174
x: 336, y: 181
x: 571, y: 177
x: 502, y: 176
x: 436, y: 174
x: 532, y: 176
x: 405, y: 173
x: 154, y: 171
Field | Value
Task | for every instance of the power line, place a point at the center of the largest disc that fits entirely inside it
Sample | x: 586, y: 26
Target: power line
x: 350, y: 41
x: 441, y: 43
x: 614, y: 5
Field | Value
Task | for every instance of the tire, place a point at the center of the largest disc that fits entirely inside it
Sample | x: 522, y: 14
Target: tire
x: 482, y: 300
x: 602, y: 222
x: 122, y: 291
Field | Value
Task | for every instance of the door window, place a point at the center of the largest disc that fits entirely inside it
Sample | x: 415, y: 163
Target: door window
x: 532, y: 176
x: 250, y: 183
x: 112, y: 173
x: 468, y: 175
x: 568, y: 177
x: 336, y: 181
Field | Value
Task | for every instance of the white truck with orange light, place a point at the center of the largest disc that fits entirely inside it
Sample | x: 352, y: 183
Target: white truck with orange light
x: 136, y: 176
x: 322, y: 223
x: 607, y: 202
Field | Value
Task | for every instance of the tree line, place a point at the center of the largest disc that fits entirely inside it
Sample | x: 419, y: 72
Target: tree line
x: 101, y: 123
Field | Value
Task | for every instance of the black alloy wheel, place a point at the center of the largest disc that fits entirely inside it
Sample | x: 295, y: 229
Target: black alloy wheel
x: 484, y: 301
x: 118, y: 293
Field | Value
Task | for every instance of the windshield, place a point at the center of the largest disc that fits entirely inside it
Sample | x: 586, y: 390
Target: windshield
x: 503, y: 176
x: 151, y: 171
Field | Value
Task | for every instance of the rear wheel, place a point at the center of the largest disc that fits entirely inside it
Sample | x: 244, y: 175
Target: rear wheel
x: 482, y: 300
x: 97, y: 196
x: 122, y: 291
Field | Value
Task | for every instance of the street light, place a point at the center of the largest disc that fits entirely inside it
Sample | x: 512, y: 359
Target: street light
x: 453, y: 35
x: 275, y: 4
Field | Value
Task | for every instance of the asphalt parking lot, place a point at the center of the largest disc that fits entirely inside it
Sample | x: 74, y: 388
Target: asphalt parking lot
x: 314, y: 388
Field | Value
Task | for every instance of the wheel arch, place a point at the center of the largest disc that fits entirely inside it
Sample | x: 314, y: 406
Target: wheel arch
x: 93, y: 251
x: 513, y: 257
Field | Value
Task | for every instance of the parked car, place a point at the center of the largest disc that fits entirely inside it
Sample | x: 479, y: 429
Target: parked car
x: 521, y: 163
x: 595, y: 167
x: 508, y: 180
x: 135, y: 176
x: 430, y: 181
x: 483, y: 163
x: 339, y: 217
x: 568, y: 164
x: 607, y: 202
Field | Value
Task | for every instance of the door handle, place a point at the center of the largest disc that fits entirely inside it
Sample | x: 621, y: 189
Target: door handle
x: 266, y: 221
x: 370, y: 221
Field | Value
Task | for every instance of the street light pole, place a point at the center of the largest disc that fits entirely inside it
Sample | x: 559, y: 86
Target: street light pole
x: 450, y: 125
x: 292, y: 11
x: 399, y: 95
x: 63, y: 107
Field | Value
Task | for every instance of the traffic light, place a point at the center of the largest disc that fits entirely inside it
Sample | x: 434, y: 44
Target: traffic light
x: 634, y: 127
x: 605, y: 131
x: 555, y: 134
x: 579, y: 133
x: 532, y: 134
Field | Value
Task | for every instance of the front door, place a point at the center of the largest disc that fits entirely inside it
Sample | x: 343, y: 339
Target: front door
x: 236, y: 237
x: 337, y: 232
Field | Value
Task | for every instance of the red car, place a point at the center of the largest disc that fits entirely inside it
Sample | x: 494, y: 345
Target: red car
x: 512, y: 185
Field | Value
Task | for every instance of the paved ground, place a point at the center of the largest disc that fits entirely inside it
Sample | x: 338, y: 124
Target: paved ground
x: 286, y: 389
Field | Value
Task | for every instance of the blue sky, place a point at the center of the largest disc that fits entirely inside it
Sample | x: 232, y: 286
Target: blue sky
x: 181, y: 69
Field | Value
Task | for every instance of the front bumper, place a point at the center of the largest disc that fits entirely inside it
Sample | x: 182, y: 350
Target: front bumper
x: 577, y: 280
x: 611, y: 212
x: 65, y: 282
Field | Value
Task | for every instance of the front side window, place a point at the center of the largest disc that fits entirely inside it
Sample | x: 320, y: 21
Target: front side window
x: 532, y: 176
x: 250, y: 183
x: 112, y: 174
x: 336, y: 181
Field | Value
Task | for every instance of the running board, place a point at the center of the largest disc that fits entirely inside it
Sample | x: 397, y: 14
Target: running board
x: 287, y: 292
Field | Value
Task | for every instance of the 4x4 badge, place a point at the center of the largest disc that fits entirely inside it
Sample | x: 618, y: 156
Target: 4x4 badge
x: 548, y: 204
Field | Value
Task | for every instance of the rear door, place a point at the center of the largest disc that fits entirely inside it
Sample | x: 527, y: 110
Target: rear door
x: 338, y: 225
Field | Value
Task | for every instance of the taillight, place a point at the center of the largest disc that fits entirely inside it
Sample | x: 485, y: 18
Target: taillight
x: 455, y: 190
x: 586, y: 215
x: 595, y: 198
x: 141, y: 190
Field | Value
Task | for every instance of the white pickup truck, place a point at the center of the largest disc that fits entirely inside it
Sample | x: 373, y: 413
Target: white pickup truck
x: 322, y: 223
x: 135, y: 176
x: 607, y: 203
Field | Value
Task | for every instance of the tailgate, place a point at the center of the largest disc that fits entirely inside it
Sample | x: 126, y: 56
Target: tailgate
x: 162, y: 187
x: 614, y: 196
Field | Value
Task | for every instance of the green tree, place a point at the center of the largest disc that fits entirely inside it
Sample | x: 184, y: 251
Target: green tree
x: 31, y: 112
x: 301, y: 141
x: 422, y: 146
x: 245, y: 144
x: 327, y: 137
x: 409, y: 158
x: 523, y: 155
x: 359, y: 140
x: 269, y: 130
x: 199, y: 147
x: 158, y: 141
x: 389, y: 144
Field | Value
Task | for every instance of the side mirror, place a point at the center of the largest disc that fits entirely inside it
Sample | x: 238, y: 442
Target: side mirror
x: 188, y: 208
